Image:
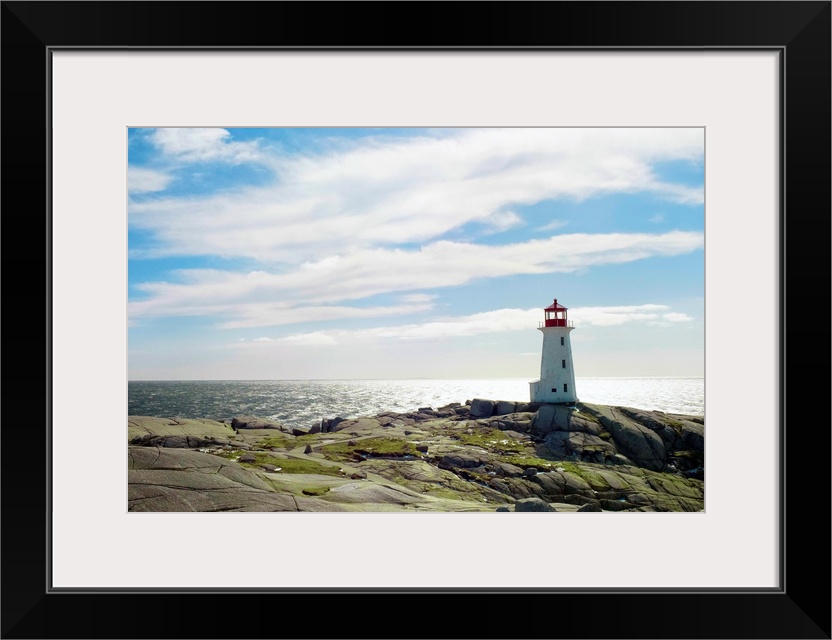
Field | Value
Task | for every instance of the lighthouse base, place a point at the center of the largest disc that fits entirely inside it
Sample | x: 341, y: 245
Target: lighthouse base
x: 551, y: 392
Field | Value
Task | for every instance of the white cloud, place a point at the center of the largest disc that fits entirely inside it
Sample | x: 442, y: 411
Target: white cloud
x: 676, y: 317
x: 309, y: 339
x: 315, y: 339
x: 385, y: 193
x: 502, y: 221
x: 146, y: 180
x: 554, y: 224
x: 497, y: 321
x: 613, y: 316
x: 257, y: 314
x: 296, y: 295
x: 184, y: 301
x: 502, y: 320
x: 417, y: 297
x: 200, y: 145
x: 312, y: 339
x: 479, y: 323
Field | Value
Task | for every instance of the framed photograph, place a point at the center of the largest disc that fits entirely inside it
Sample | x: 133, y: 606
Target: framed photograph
x: 138, y: 138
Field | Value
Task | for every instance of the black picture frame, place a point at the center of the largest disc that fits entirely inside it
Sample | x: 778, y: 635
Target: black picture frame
x: 799, y: 31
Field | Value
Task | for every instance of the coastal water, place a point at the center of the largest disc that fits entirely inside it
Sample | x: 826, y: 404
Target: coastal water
x: 302, y: 403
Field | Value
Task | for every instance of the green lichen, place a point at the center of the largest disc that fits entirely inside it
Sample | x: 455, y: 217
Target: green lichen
x: 674, y: 424
x: 275, y: 442
x: 588, y: 416
x: 450, y: 494
x: 525, y: 462
x: 314, y: 491
x: 492, y: 440
x: 697, y: 457
x: 370, y: 447
x: 569, y: 467
x: 592, y: 478
x: 298, y: 465
x: 228, y: 455
x: 284, y: 465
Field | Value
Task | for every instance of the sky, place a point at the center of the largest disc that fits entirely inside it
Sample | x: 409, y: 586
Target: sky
x: 394, y: 253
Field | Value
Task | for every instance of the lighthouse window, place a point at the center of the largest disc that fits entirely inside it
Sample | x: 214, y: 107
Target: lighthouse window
x: 554, y: 390
x: 561, y: 341
x: 563, y: 364
x: 564, y: 387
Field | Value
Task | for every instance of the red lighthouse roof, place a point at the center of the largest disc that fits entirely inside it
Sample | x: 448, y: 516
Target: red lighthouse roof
x: 554, y: 315
x: 555, y: 306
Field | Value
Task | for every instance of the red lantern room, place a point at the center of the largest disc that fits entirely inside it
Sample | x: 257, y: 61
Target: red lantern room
x: 555, y: 315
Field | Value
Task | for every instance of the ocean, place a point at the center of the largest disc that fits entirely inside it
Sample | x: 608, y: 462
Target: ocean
x: 302, y: 403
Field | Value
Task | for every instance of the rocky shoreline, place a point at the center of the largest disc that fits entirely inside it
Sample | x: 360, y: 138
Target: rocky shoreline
x: 480, y: 456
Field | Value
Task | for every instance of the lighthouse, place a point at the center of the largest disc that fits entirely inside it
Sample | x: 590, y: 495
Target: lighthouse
x: 557, y: 375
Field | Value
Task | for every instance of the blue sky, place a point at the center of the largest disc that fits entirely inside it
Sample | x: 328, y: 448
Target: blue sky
x: 413, y: 253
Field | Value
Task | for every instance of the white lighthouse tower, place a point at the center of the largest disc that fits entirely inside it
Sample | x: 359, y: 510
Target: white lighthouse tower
x: 557, y: 375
